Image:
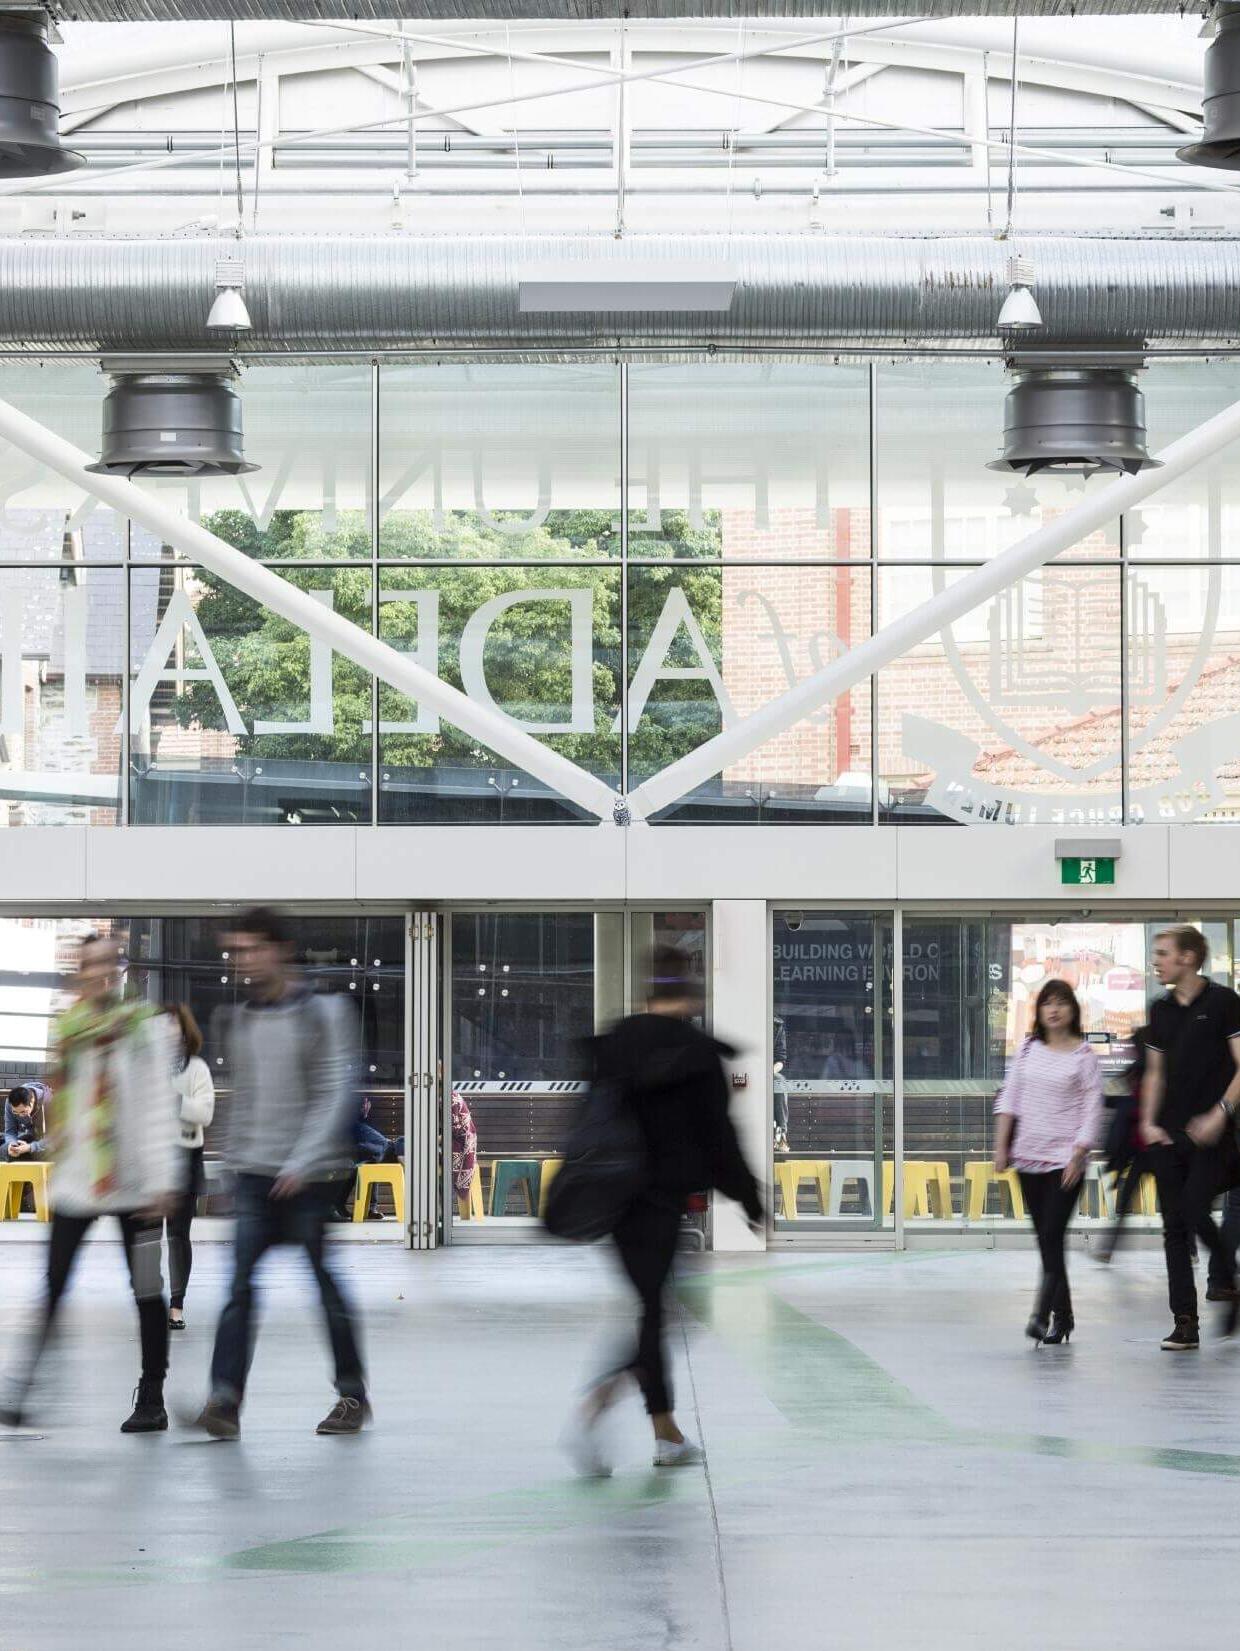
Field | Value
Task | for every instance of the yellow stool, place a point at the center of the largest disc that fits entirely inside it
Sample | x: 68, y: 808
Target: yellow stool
x: 979, y: 1177
x: 790, y: 1172
x: 471, y: 1208
x: 550, y: 1168
x: 1145, y: 1200
x: 927, y: 1188
x: 379, y: 1175
x: 13, y: 1177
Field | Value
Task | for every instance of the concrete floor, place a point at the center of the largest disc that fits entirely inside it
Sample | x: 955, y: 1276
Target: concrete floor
x: 890, y: 1464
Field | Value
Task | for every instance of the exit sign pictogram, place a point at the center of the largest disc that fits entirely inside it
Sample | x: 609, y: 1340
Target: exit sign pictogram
x: 1087, y: 873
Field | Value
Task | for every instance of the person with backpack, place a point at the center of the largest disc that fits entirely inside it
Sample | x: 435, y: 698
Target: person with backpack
x: 1048, y: 1115
x: 289, y: 1056
x: 668, y: 1076
x: 115, y: 1154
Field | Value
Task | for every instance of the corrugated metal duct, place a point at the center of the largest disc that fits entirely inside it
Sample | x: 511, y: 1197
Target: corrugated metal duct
x: 353, y: 294
x: 567, y: 11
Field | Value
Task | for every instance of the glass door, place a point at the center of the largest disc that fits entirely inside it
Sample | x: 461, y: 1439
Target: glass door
x: 832, y: 1116
x: 526, y: 990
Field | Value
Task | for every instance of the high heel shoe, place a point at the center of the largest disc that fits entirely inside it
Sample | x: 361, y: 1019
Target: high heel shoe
x: 1061, y: 1330
x: 1037, y: 1329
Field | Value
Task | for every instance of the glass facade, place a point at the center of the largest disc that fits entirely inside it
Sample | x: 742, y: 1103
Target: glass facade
x: 968, y: 988
x: 623, y: 560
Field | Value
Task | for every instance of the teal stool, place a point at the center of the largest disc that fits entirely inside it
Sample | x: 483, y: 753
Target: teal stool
x: 507, y: 1173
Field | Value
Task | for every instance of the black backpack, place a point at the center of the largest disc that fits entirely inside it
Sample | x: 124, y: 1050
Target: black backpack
x: 604, y: 1168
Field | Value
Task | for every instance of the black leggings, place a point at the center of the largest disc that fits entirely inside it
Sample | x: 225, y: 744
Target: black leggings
x: 646, y: 1240
x: 141, y: 1240
x: 1051, y: 1205
x: 180, y: 1250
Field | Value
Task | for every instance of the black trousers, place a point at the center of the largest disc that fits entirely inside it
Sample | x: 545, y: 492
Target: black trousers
x: 180, y: 1250
x: 646, y: 1241
x: 262, y: 1222
x: 1051, y: 1206
x: 1189, y: 1179
x: 1231, y: 1239
x: 141, y: 1240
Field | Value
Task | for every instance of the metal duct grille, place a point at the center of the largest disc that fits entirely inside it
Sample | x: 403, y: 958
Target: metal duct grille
x: 30, y: 103
x: 172, y: 424
x: 1220, y: 146
x: 349, y: 295
x: 1074, y: 421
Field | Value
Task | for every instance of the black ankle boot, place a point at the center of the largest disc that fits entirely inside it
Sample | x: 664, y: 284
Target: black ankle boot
x: 149, y: 1415
x: 1037, y: 1329
x: 1062, y: 1326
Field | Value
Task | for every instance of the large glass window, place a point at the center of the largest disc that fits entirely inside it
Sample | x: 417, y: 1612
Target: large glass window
x: 495, y: 463
x: 1013, y: 713
x: 237, y: 716
x: 625, y: 562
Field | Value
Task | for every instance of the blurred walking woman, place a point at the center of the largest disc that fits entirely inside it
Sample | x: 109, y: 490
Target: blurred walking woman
x: 1048, y: 1115
x: 192, y: 1081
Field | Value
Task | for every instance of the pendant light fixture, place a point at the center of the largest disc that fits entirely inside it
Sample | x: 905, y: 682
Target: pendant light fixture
x: 30, y: 144
x: 228, y: 312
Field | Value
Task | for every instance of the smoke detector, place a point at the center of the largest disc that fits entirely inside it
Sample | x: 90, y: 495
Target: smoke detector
x: 1073, y: 420
x: 30, y: 144
x: 160, y: 423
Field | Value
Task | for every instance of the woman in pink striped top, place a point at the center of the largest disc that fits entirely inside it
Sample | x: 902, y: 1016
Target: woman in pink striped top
x: 1048, y: 1116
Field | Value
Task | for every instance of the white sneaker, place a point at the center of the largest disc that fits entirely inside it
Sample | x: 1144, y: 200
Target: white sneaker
x: 583, y: 1443
x: 683, y: 1455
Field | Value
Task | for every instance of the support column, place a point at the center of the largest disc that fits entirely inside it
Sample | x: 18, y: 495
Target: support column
x: 741, y: 1016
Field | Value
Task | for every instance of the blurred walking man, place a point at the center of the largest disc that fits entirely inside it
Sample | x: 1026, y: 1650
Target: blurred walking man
x: 289, y: 1059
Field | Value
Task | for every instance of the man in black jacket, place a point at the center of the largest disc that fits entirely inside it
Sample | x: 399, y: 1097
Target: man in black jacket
x: 671, y: 1074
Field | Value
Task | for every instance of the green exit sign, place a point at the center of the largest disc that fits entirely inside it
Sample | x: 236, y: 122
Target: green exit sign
x: 1087, y: 873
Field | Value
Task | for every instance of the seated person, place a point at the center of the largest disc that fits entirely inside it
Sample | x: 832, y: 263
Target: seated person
x: 370, y: 1146
x: 24, y: 1138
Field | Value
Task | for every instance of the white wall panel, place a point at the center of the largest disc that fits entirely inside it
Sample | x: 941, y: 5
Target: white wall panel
x: 740, y: 986
x: 45, y: 862
x: 426, y: 864
x: 224, y: 863
x: 797, y: 863
x: 1204, y: 862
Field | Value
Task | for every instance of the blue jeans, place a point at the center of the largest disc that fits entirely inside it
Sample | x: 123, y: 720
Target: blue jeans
x: 262, y: 1222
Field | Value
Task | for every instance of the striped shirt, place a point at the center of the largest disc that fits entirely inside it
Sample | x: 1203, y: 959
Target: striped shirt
x: 1056, y: 1097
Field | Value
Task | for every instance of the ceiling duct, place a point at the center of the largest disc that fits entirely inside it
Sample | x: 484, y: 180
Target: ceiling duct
x: 354, y: 294
x: 172, y: 424
x: 1073, y: 421
x: 1220, y: 104
x: 30, y: 102
x: 1221, y: 98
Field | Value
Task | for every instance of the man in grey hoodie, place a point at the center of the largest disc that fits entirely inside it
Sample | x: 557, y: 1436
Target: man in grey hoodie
x: 289, y: 1059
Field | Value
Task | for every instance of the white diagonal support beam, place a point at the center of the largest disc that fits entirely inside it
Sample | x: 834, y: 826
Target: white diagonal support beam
x: 300, y: 608
x: 1105, y: 504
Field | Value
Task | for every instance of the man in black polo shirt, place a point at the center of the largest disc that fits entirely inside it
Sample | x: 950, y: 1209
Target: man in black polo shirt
x: 1188, y: 1100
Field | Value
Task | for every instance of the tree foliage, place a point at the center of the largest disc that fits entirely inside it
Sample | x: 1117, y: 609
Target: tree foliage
x: 265, y: 660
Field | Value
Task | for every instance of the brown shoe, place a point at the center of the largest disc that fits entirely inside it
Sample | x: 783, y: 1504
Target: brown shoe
x: 346, y: 1416
x: 220, y: 1418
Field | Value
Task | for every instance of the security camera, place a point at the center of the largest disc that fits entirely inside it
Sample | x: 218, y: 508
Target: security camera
x: 794, y: 919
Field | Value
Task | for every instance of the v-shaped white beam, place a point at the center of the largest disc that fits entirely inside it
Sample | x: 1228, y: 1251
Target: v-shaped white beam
x: 485, y: 724
x: 1104, y: 504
